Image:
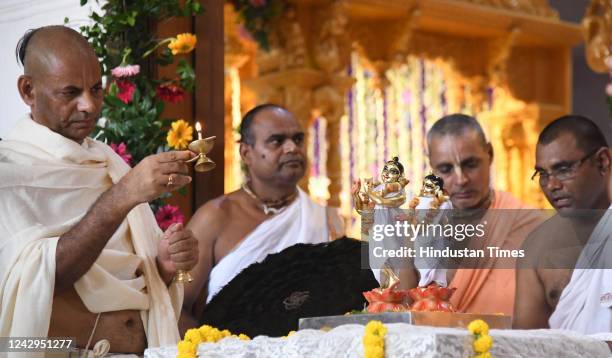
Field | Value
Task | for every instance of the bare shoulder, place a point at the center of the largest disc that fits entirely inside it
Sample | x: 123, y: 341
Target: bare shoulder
x: 214, y: 214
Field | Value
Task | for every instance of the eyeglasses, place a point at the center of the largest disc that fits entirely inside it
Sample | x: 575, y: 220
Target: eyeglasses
x: 564, y: 172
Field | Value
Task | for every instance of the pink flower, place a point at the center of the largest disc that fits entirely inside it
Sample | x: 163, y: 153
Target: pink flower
x: 126, y: 71
x: 126, y: 91
x: 244, y: 33
x: 170, y: 93
x: 168, y: 215
x: 609, y: 63
x: 121, y: 150
x: 609, y: 89
x: 258, y: 3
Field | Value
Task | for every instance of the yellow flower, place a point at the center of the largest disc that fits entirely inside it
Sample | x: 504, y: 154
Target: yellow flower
x: 180, y: 135
x: 186, y: 355
x: 483, y: 355
x: 483, y: 343
x: 374, y: 352
x: 374, y: 340
x: 376, y: 328
x: 243, y: 337
x: 183, y: 43
x: 188, y: 347
x: 478, y: 326
x: 185, y: 347
x: 193, y: 336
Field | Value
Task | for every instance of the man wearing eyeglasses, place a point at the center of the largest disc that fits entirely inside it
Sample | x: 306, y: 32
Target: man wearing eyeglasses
x: 566, y: 286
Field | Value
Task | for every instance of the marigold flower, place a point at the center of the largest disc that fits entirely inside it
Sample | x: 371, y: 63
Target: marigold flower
x: 478, y: 326
x: 183, y: 43
x: 168, y: 215
x: 170, y: 93
x: 204, y: 330
x: 193, y: 336
x: 243, y: 337
x: 186, y: 355
x: 179, y: 135
x: 376, y: 328
x: 126, y: 91
x: 186, y: 347
x: 121, y: 150
x: 374, y: 352
x: 483, y: 343
x: 483, y: 355
x: 125, y: 71
x: 373, y: 340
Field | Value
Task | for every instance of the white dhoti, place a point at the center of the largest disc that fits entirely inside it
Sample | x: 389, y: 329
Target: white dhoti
x: 302, y: 222
x: 586, y: 302
x: 47, y: 184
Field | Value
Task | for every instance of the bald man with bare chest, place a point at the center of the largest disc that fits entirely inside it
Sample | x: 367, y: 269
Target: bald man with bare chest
x: 81, y: 253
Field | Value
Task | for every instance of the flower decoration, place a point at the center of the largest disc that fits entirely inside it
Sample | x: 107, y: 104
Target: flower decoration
x: 258, y: 17
x: 478, y: 327
x: 179, y: 135
x: 482, y: 341
x: 167, y: 215
x: 188, y: 347
x: 136, y: 120
x: 374, y: 340
x: 183, y: 43
x: 126, y: 91
x: 387, y: 300
x: 122, y: 151
x: 125, y: 71
x: 291, y: 333
x: 170, y: 92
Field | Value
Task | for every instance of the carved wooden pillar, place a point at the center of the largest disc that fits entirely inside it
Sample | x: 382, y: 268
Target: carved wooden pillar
x: 329, y: 100
x: 209, y: 106
x: 597, y: 29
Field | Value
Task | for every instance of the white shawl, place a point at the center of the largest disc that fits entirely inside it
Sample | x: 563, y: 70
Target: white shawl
x: 303, y: 221
x: 586, y: 302
x: 47, y: 184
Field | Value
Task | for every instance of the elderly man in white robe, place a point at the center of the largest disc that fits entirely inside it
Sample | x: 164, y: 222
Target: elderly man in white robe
x: 268, y: 214
x: 81, y: 254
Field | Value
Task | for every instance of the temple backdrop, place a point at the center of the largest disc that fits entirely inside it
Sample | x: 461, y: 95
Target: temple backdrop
x: 368, y: 78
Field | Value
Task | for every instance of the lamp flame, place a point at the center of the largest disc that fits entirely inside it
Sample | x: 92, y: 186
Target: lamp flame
x: 198, y: 127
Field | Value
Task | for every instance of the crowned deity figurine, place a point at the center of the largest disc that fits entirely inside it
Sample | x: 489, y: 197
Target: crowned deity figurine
x: 378, y: 204
x: 390, y: 193
x: 431, y: 195
x: 426, y: 209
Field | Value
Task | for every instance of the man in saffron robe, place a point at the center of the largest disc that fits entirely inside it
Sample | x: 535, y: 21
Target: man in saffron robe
x: 460, y: 154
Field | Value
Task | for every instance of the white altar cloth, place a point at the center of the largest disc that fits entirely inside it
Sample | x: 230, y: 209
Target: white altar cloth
x: 402, y: 340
